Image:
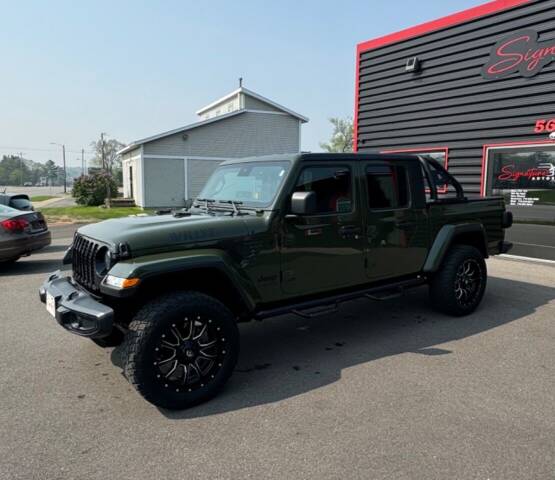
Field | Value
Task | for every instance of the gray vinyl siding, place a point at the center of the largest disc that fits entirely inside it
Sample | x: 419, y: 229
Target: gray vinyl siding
x: 449, y: 104
x: 198, y: 172
x: 165, y: 182
x: 243, y: 135
x: 252, y: 103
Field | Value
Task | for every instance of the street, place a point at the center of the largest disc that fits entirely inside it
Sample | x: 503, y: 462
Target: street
x: 530, y: 240
x: 380, y: 390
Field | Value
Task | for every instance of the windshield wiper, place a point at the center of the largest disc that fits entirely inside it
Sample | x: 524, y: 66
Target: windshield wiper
x: 234, y: 204
x: 207, y: 203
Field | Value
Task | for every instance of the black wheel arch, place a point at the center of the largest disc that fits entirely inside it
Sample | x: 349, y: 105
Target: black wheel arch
x: 472, y: 234
x: 209, y: 279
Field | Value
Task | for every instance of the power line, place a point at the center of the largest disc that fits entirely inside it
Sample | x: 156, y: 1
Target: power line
x: 42, y: 149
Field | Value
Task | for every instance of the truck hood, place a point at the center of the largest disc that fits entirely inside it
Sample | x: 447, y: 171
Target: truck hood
x: 162, y: 233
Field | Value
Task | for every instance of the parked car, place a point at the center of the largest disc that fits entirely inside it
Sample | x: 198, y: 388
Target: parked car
x: 19, y: 201
x: 270, y: 236
x: 21, y: 233
x: 28, y: 184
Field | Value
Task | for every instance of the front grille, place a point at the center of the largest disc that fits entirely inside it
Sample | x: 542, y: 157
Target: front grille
x: 84, y: 262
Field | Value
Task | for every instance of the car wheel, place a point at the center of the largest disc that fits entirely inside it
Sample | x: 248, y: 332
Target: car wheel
x: 9, y: 261
x: 459, y: 285
x: 181, y: 349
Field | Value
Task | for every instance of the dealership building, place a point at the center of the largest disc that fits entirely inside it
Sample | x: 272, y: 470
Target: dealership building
x: 476, y: 91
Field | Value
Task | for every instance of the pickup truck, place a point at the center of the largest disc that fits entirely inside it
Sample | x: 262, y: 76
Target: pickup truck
x: 268, y: 236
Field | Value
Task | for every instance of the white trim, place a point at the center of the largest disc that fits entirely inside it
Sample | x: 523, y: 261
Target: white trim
x: 143, y: 177
x: 192, y: 157
x: 248, y: 110
x: 152, y: 155
x: 528, y: 259
x: 186, y: 167
x: 217, y: 102
x: 250, y: 93
x: 506, y: 147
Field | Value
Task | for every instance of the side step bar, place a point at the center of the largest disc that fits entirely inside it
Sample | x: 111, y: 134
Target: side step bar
x: 323, y: 306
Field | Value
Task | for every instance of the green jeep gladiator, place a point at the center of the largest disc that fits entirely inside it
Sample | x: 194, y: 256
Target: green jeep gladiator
x: 269, y: 236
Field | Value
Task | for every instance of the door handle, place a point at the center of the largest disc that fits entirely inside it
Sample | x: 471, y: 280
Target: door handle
x: 404, y: 225
x: 350, y: 231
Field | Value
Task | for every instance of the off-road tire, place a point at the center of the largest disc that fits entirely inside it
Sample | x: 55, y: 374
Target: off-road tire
x: 445, y: 285
x: 113, y: 340
x: 148, y: 331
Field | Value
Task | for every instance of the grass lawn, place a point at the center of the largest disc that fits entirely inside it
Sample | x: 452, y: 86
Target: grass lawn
x: 42, y: 198
x: 87, y: 214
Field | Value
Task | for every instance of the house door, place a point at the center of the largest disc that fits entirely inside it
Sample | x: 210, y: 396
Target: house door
x: 131, y: 181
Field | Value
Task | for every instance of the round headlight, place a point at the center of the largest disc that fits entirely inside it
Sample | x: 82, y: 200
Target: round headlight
x: 108, y: 260
x: 103, y: 261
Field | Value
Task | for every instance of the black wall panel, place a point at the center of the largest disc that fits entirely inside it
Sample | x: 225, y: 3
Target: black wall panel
x: 448, y: 103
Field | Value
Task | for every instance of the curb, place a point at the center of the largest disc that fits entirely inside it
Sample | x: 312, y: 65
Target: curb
x: 527, y: 259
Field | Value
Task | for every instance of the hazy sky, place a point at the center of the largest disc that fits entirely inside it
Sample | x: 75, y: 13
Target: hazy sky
x: 70, y: 70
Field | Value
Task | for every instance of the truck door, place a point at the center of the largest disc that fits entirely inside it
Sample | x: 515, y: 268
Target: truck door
x: 324, y: 250
x: 395, y: 223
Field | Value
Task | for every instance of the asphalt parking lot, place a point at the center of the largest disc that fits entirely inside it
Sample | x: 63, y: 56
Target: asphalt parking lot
x: 385, y: 390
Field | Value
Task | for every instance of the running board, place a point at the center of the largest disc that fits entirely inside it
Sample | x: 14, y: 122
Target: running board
x: 323, y: 306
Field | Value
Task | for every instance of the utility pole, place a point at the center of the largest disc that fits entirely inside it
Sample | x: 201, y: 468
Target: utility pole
x: 65, y: 171
x: 102, y: 151
x: 83, y: 160
x: 106, y: 168
x: 64, y: 160
x: 21, y: 166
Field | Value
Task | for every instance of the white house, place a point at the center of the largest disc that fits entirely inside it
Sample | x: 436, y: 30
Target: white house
x: 166, y: 169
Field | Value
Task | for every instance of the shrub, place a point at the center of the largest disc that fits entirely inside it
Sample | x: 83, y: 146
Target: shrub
x: 91, y: 190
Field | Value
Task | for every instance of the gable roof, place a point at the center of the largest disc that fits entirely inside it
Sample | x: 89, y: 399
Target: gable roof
x: 245, y: 91
x: 252, y: 94
x: 138, y: 143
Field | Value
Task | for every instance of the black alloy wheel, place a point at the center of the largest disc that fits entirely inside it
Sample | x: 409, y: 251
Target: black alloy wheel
x: 189, y: 353
x: 458, y: 287
x: 181, y: 349
x: 467, y: 282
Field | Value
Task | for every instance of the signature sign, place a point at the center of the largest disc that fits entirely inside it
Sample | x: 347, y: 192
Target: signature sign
x: 519, y: 52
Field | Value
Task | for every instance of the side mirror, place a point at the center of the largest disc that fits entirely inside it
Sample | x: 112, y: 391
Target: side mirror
x: 303, y: 203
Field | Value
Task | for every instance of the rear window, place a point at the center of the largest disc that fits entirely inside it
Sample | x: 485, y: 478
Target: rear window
x: 4, y: 210
x: 20, y: 203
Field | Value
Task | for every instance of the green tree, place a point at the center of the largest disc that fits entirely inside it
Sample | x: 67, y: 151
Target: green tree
x: 111, y: 147
x: 13, y: 170
x: 342, y: 137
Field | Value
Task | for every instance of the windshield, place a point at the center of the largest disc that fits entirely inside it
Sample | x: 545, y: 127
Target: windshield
x: 255, y: 184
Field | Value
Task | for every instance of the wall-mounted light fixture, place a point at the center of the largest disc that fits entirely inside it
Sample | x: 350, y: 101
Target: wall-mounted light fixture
x: 412, y: 65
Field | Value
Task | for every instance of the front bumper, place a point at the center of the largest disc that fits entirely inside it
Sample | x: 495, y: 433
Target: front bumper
x: 76, y: 310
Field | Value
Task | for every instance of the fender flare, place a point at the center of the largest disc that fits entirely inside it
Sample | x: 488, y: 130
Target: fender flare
x: 444, y: 239
x: 149, y: 267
